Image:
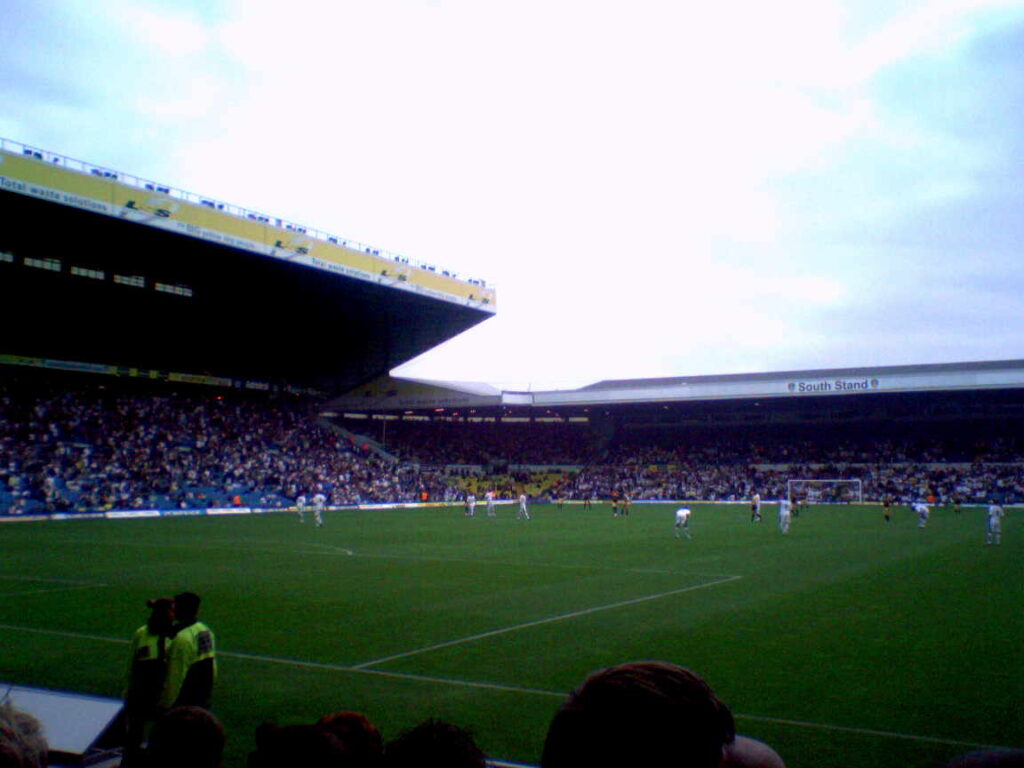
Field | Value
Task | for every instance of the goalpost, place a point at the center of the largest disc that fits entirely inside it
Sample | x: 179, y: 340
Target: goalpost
x: 825, y: 491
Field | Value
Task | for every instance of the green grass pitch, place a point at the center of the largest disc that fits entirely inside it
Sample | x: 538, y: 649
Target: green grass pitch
x: 847, y: 642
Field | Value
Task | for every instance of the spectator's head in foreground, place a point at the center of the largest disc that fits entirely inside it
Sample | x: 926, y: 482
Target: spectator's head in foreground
x: 294, y: 745
x: 434, y: 744
x: 183, y: 736
x: 989, y: 758
x: 361, y: 742
x: 22, y: 744
x: 649, y: 713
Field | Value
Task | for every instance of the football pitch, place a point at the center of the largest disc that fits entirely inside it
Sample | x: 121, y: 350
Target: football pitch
x: 848, y: 641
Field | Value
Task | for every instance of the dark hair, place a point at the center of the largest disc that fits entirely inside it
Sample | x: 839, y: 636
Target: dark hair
x: 309, y: 746
x: 434, y: 744
x: 989, y: 758
x: 649, y: 713
x: 189, y: 736
x: 159, y: 622
x: 186, y: 605
x: 22, y: 743
x: 361, y: 742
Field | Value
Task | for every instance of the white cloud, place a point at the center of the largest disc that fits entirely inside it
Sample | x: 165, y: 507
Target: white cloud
x: 171, y: 33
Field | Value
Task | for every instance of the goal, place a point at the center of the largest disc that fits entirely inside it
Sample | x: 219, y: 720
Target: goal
x: 829, y: 491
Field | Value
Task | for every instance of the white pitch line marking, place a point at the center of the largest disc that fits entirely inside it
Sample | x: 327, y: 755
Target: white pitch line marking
x: 867, y: 731
x: 59, y: 633
x: 539, y: 622
x: 52, y: 589
x: 506, y: 688
x: 332, y: 549
x: 7, y: 577
x: 67, y: 585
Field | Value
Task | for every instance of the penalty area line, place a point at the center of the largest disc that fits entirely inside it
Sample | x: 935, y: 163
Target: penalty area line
x: 541, y: 622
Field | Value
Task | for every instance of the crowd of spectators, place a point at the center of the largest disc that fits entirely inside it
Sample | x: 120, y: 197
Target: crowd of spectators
x: 195, y: 737
x: 864, y: 447
x: 441, y: 443
x: 95, y: 447
x: 971, y: 470
x: 970, y: 484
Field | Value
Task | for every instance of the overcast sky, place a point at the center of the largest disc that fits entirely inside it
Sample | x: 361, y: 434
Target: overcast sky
x: 654, y: 188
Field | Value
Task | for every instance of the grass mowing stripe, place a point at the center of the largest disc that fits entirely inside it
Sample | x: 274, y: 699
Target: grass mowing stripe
x: 510, y: 688
x: 539, y: 622
x: 531, y: 564
x: 333, y: 550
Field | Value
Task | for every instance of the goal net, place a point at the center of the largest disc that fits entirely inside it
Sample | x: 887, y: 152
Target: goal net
x: 825, y: 491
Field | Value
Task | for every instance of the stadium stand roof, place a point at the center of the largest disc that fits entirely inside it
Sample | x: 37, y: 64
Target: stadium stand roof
x: 101, y: 267
x: 396, y: 394
x: 789, y: 384
x: 391, y: 394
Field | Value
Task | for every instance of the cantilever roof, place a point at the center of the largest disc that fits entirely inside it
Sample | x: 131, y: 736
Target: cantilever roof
x: 863, y: 380
x: 931, y: 368
x: 820, y: 382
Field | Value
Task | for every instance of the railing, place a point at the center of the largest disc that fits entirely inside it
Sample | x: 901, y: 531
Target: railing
x: 92, y: 169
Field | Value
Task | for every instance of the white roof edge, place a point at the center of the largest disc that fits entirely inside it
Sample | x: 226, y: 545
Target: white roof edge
x: 480, y: 388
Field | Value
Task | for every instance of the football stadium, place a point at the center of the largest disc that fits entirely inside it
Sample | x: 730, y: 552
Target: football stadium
x: 197, y: 398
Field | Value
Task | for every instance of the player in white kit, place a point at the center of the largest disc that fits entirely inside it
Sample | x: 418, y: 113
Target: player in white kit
x: 683, y: 522
x: 994, y: 532
x: 300, y: 505
x: 785, y: 514
x: 489, y: 498
x: 523, y: 511
x: 921, y: 509
x: 471, y: 505
x: 319, y: 500
x: 755, y: 508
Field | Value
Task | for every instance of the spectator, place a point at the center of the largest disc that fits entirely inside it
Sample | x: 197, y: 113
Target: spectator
x: 434, y: 744
x: 361, y: 742
x: 309, y: 746
x: 648, y: 714
x: 21, y: 740
x: 989, y: 758
x: 186, y: 736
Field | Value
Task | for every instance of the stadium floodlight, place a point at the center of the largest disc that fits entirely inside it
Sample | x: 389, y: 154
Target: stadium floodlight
x: 825, y: 491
